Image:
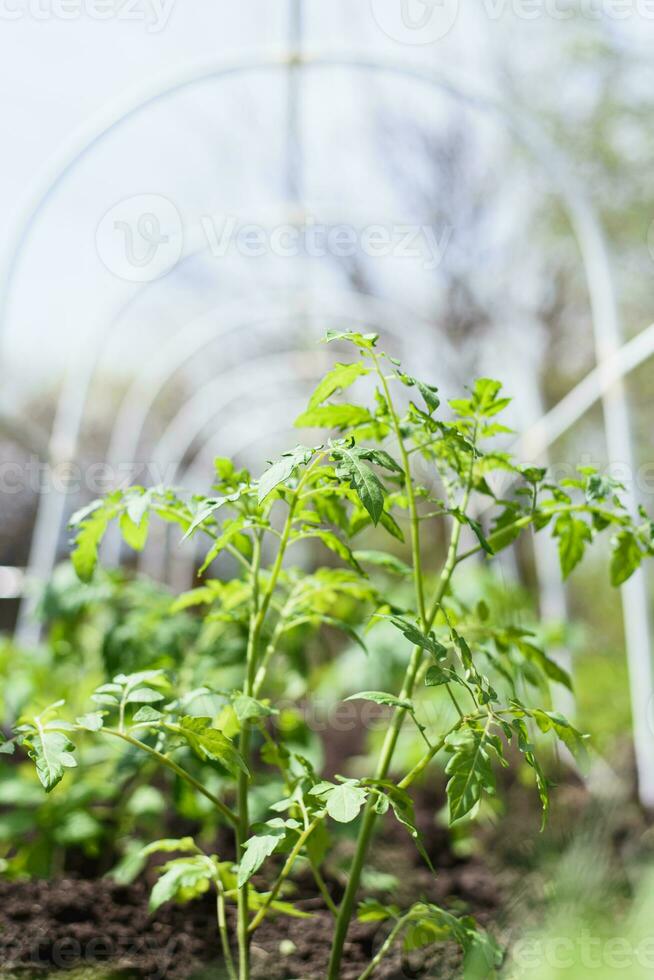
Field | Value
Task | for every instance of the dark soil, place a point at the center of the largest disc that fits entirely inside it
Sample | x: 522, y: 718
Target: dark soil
x: 96, y: 928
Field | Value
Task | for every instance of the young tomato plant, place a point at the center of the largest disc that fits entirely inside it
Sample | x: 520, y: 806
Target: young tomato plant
x: 328, y: 493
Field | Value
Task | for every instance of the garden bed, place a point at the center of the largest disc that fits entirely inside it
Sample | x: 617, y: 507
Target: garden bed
x: 104, y: 929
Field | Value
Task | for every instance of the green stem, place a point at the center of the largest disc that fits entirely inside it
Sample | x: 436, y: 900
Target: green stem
x: 259, y: 612
x: 411, y: 500
x: 284, y: 873
x: 243, y: 828
x: 318, y: 878
x: 419, y: 767
x: 388, y: 748
x: 518, y: 524
x: 222, y: 929
x: 384, y: 949
x: 172, y: 765
x: 322, y: 887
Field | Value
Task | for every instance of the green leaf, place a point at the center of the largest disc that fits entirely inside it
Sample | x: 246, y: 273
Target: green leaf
x: 202, y: 595
x: 342, y: 416
x: 380, y: 697
x: 506, y: 528
x: 600, y: 487
x: 282, y: 470
x: 350, y: 466
x: 144, y: 695
x: 550, y: 668
x: 626, y: 557
x: 92, y: 721
x: 364, y: 341
x: 370, y: 910
x: 182, y: 880
x: 343, y: 802
x: 469, y: 770
x: 247, y: 708
x: 168, y: 845
x: 210, y: 506
x: 437, y: 675
x: 402, y: 807
x: 428, y: 392
x: 231, y: 531
x: 567, y: 733
x: 210, y: 743
x: 484, y: 396
x: 389, y: 524
x: 106, y: 699
x: 51, y: 753
x: 340, y: 377
x: 135, y: 535
x: 258, y: 848
x: 382, y: 458
x: 431, y: 924
x: 334, y: 543
x: 90, y: 532
x: 519, y: 728
x: 136, y: 505
x: 573, y: 534
x: 147, y: 714
x: 484, y: 402
x: 417, y: 637
x: 388, y: 562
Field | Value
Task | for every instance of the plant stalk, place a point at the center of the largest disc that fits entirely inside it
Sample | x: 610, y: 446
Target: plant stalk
x: 172, y: 765
x: 384, y: 949
x: 259, y: 611
x: 222, y: 929
x: 388, y: 749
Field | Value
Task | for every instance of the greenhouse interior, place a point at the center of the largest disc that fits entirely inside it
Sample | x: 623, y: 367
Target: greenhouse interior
x: 327, y: 490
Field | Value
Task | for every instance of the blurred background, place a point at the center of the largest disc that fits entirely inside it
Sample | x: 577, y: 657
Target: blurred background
x: 193, y: 194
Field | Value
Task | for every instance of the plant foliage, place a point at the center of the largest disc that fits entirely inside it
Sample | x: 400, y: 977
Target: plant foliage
x: 328, y: 492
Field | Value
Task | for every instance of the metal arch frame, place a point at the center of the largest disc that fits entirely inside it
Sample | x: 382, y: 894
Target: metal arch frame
x: 594, y: 255
x: 569, y: 409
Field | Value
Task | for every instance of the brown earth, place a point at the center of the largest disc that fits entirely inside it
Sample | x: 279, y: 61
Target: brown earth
x: 98, y: 929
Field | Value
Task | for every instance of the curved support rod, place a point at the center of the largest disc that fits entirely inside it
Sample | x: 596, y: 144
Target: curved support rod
x: 586, y: 393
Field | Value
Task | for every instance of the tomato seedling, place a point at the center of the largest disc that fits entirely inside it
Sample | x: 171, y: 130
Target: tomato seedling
x: 365, y: 474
